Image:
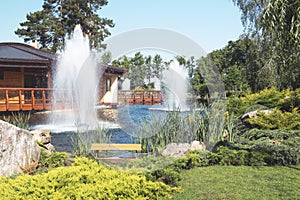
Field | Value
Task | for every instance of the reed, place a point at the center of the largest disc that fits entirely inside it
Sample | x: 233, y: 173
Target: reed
x: 19, y: 119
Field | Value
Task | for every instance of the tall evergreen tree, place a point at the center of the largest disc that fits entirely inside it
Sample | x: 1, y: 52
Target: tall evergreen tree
x: 58, y: 18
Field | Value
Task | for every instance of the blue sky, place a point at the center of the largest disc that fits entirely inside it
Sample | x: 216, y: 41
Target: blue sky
x: 210, y: 23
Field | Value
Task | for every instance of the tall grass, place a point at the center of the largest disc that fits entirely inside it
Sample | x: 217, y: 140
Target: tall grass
x: 19, y: 119
x: 85, y: 136
x: 204, y: 124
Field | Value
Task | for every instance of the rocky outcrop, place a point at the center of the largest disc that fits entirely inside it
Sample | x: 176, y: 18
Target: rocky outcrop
x: 180, y: 149
x: 44, y: 138
x: 18, y: 150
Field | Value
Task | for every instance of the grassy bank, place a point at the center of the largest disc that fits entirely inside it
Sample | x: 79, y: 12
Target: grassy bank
x: 242, y: 182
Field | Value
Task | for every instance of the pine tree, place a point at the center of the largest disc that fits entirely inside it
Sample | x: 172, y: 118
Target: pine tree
x: 58, y: 18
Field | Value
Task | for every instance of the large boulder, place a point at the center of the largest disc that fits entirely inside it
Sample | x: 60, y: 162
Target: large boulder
x: 18, y: 150
x: 176, y: 150
x: 180, y: 149
x: 196, y: 145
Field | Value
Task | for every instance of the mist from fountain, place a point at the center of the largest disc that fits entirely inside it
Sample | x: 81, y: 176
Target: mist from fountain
x: 76, y: 74
x: 175, y: 87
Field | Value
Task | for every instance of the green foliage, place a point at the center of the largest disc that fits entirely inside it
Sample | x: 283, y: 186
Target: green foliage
x: 175, y: 127
x: 142, y: 67
x: 149, y: 163
x: 226, y: 156
x: 19, y: 119
x: 267, y: 98
x: 270, y: 147
x: 275, y: 24
x: 289, y: 138
x: 167, y: 169
x: 276, y: 120
x: 278, y: 154
x: 167, y: 175
x: 86, y: 179
x: 83, y: 139
x: 58, y: 19
x: 48, y: 161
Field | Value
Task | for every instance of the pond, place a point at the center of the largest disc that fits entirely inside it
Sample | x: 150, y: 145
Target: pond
x: 119, y: 122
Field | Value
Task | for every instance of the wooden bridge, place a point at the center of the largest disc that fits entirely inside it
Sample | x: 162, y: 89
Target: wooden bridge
x: 38, y: 99
x: 143, y: 97
x: 27, y: 99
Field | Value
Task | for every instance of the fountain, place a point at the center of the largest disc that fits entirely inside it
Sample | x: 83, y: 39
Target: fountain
x: 175, y: 87
x: 76, y: 74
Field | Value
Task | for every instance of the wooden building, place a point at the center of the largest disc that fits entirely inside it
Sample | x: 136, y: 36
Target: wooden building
x: 26, y: 79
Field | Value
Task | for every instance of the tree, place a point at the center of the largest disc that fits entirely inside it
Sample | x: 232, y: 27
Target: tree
x: 58, y: 19
x: 141, y: 68
x: 275, y: 24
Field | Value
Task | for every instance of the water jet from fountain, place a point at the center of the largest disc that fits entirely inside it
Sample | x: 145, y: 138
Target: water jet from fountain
x: 76, y: 74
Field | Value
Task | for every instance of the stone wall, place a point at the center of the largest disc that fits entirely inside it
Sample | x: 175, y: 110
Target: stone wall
x: 18, y: 150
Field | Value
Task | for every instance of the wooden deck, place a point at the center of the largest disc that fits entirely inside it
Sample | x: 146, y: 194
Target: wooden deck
x: 27, y: 99
x: 143, y: 97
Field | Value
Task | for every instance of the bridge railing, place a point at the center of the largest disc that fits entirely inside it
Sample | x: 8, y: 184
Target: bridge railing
x: 26, y: 99
x: 140, y: 97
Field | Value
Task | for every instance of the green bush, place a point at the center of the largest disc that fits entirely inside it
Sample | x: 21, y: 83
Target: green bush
x: 285, y: 137
x: 167, y: 175
x: 167, y: 169
x: 276, y: 120
x: 260, y: 153
x: 285, y: 100
x: 278, y: 154
x: 53, y: 160
x: 86, y: 179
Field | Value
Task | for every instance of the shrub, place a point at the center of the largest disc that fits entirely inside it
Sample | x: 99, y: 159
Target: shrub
x: 262, y: 153
x: 283, y: 137
x: 53, y: 160
x: 277, y: 120
x: 227, y: 156
x: 277, y: 154
x: 285, y: 100
x: 167, y: 175
x: 86, y: 179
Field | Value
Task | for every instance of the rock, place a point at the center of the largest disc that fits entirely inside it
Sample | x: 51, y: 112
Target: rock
x: 50, y: 148
x: 255, y: 113
x: 18, y: 150
x: 180, y: 149
x: 42, y: 136
x: 196, y: 145
x: 176, y: 150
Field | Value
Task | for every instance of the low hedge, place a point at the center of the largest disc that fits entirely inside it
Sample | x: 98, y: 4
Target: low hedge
x: 85, y: 179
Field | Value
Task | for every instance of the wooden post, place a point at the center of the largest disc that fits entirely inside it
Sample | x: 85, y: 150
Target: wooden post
x: 20, y: 99
x: 44, y: 99
x: 6, y: 99
x: 32, y: 99
x: 152, y: 99
x: 143, y: 98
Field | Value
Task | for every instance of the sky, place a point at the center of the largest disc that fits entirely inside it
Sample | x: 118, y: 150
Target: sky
x: 210, y: 23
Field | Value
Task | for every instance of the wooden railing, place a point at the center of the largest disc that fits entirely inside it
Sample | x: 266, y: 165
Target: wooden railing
x: 140, y: 97
x: 26, y: 99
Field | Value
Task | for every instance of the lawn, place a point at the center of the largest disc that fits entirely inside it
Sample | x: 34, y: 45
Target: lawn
x: 243, y: 182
